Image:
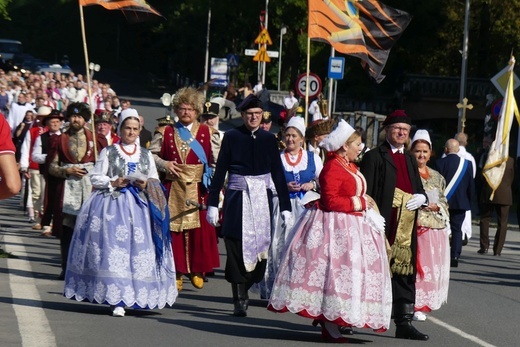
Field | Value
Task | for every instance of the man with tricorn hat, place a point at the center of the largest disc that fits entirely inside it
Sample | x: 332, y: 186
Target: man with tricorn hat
x: 250, y: 156
x: 184, y: 153
x: 393, y: 181
x: 71, y: 157
x: 104, y: 130
x: 41, y: 147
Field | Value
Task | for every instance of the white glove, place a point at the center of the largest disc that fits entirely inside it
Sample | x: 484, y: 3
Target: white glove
x: 287, y: 220
x: 415, y: 202
x: 212, y: 215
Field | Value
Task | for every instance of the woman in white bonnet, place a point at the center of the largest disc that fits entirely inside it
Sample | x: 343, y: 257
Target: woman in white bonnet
x: 120, y: 252
x: 433, y: 245
x: 301, y: 169
x: 335, y: 268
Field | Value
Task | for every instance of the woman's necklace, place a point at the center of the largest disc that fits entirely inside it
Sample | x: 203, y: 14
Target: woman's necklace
x: 347, y: 165
x: 425, y: 174
x: 128, y: 153
x: 298, y: 159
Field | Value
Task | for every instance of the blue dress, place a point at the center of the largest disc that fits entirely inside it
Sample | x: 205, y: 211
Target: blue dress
x: 118, y: 254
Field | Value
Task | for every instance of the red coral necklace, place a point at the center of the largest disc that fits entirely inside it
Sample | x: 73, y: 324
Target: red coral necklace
x: 128, y: 153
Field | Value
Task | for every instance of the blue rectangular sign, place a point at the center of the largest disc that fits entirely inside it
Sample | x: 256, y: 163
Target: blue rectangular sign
x: 336, y: 67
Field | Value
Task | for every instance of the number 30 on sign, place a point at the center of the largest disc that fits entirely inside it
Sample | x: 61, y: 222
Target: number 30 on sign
x: 315, y: 85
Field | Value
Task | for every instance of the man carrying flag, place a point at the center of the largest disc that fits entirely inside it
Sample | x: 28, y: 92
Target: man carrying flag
x: 499, y: 173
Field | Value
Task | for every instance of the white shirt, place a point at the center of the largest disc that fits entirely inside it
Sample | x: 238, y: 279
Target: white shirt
x: 37, y: 155
x: 289, y: 102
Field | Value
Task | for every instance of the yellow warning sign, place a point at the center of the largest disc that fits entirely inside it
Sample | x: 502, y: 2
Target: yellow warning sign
x: 263, y: 38
x: 262, y: 55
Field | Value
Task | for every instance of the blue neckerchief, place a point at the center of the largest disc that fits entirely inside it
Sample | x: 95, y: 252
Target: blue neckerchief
x: 195, y: 145
x: 299, y: 194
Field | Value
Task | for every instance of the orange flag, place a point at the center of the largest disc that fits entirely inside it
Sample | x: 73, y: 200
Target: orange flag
x: 134, y: 10
x: 366, y: 29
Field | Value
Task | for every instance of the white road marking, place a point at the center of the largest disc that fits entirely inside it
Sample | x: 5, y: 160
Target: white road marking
x: 33, y: 324
x: 460, y: 332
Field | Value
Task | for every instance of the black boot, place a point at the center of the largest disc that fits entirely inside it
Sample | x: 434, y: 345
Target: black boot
x: 403, y: 314
x: 238, y: 300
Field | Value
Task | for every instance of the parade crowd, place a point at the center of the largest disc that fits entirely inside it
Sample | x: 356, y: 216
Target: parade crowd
x: 312, y: 220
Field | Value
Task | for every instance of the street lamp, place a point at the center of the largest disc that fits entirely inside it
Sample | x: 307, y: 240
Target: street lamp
x: 93, y: 67
x: 283, y: 31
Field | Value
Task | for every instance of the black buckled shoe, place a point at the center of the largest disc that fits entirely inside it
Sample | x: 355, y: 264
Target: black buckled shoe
x: 454, y: 262
x: 240, y: 309
x: 409, y: 332
x: 482, y: 251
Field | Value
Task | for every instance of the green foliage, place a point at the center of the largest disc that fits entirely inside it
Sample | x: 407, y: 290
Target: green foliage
x: 177, y: 44
x: 3, y: 9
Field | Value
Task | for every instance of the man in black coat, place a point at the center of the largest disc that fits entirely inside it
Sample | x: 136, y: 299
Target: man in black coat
x: 460, y: 189
x: 393, y: 181
x: 250, y: 156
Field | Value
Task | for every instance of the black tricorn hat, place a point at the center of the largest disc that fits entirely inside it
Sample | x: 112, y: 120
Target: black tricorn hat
x: 210, y: 109
x: 167, y: 120
x: 251, y: 101
x: 266, y: 117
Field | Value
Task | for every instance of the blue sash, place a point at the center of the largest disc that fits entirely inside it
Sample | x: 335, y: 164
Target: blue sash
x: 195, y: 145
x: 457, y: 179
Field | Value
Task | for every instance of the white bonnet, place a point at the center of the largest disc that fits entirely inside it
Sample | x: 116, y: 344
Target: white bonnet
x: 298, y: 123
x: 128, y: 113
x: 422, y: 134
x: 337, y: 137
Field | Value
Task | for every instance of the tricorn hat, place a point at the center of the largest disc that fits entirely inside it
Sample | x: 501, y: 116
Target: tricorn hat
x: 266, y: 117
x: 102, y: 116
x: 210, y: 109
x: 167, y: 120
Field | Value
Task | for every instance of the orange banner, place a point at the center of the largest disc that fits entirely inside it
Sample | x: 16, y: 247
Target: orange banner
x: 125, y: 5
x: 366, y: 29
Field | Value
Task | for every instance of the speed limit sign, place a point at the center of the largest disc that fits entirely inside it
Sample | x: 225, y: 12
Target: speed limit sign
x: 314, y: 85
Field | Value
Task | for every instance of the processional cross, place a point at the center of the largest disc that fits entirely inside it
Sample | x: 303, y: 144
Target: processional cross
x: 464, y: 106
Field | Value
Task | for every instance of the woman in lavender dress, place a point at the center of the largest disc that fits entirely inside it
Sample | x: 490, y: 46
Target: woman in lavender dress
x: 120, y: 252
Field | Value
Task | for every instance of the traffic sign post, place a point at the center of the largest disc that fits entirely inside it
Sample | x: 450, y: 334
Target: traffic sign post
x: 314, y: 87
x: 336, y: 67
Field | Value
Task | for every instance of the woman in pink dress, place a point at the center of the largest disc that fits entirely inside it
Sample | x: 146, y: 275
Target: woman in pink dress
x: 335, y: 268
x: 433, y: 245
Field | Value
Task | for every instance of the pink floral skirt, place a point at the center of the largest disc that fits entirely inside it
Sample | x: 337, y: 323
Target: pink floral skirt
x: 335, y: 268
x: 433, y: 268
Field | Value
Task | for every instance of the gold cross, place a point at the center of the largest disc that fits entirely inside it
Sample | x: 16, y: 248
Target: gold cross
x: 464, y: 106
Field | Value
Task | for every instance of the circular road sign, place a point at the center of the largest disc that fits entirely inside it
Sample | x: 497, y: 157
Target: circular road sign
x: 314, y: 85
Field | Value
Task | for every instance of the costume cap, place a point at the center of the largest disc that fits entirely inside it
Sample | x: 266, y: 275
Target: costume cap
x: 102, y: 116
x: 266, y: 117
x: 167, y: 120
x: 251, y: 101
x: 422, y: 134
x: 398, y: 116
x: 337, y: 137
x: 320, y: 127
x: 297, y: 123
x: 79, y: 108
x: 210, y: 109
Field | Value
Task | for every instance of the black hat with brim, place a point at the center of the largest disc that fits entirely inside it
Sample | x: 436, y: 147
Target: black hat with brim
x: 251, y: 101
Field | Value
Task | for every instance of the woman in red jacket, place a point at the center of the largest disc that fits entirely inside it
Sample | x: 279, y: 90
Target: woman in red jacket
x: 335, y: 269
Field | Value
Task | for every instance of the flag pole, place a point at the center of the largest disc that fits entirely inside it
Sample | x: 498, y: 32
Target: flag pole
x: 307, y: 80
x: 89, y: 84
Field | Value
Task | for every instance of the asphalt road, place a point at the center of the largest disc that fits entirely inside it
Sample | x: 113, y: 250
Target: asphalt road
x: 482, y: 310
